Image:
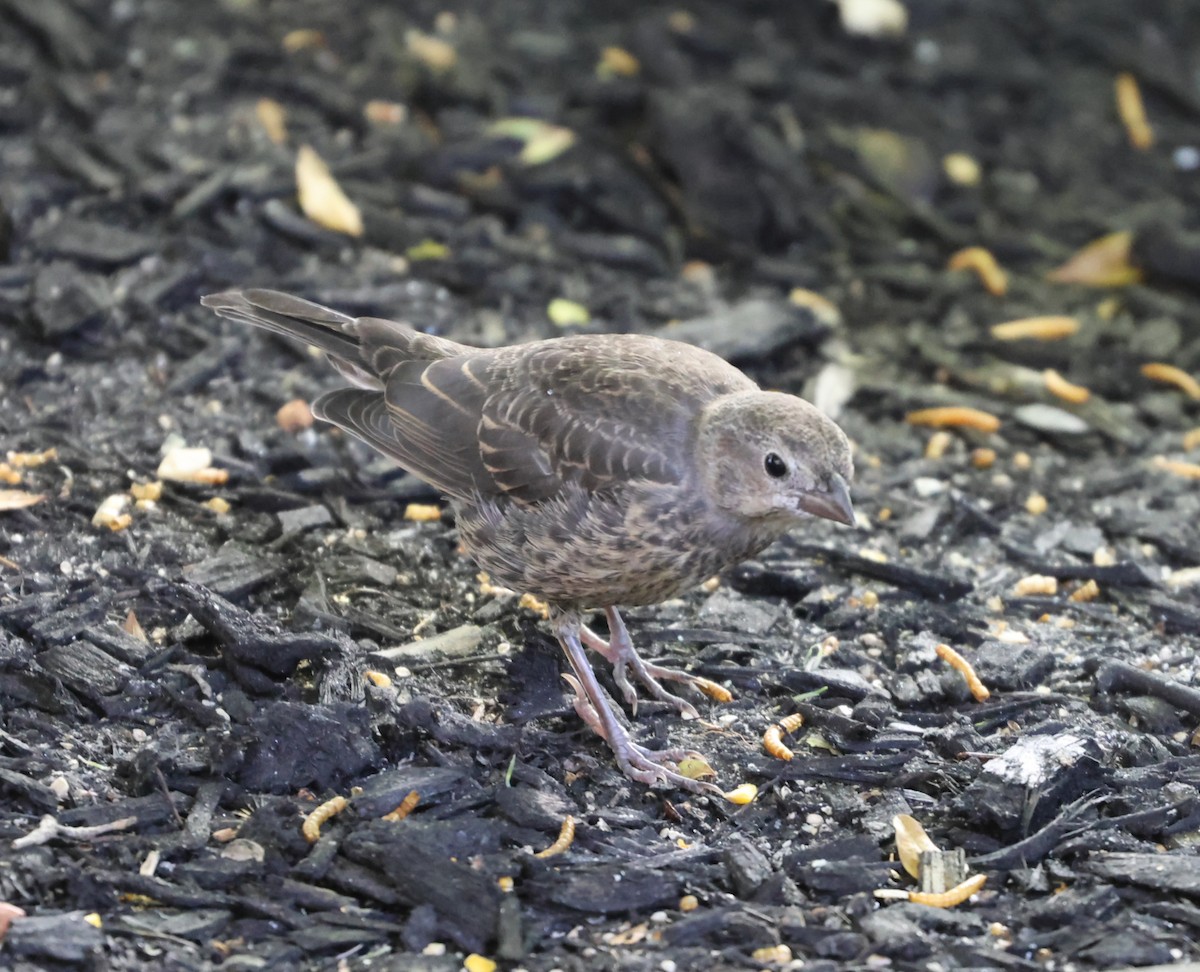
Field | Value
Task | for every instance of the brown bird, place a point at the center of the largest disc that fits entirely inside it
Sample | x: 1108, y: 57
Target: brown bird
x: 591, y: 470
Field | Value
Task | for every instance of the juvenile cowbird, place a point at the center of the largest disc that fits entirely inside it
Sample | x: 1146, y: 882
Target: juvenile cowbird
x: 592, y: 470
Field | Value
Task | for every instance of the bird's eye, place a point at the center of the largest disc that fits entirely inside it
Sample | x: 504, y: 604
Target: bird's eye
x: 775, y: 466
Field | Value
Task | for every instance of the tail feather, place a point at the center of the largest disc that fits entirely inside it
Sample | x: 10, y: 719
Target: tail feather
x: 425, y: 421
x: 292, y: 317
x: 362, y: 348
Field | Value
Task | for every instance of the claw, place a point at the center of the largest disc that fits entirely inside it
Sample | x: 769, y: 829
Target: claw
x: 644, y: 765
x: 621, y: 654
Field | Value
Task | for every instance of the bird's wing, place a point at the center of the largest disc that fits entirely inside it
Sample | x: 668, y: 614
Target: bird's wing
x: 593, y: 412
x: 427, y: 415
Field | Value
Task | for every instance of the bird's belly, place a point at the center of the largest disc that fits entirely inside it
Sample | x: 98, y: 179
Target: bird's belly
x: 599, y: 551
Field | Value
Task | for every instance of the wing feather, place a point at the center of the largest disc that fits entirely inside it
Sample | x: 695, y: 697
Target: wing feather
x: 413, y: 444
x: 594, y: 413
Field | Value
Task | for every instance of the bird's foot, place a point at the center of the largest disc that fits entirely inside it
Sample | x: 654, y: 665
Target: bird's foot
x: 639, y: 763
x: 621, y: 654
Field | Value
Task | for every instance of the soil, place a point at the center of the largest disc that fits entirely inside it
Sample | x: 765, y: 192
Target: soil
x: 178, y: 693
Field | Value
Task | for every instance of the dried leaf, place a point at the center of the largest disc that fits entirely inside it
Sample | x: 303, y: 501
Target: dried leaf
x: 1102, y: 263
x: 1132, y: 111
x: 696, y: 768
x: 427, y: 250
x: 741, y: 795
x: 436, y: 54
x: 911, y: 842
x: 273, y: 119
x: 542, y: 141
x: 617, y: 62
x: 321, y: 198
x: 565, y: 312
x: 873, y: 18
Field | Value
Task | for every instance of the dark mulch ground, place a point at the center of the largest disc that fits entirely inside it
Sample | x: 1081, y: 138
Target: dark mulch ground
x: 762, y: 140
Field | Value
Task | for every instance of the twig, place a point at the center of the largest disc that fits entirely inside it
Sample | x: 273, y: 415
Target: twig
x: 48, y: 828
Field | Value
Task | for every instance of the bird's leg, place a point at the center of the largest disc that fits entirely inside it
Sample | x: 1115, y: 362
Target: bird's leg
x: 637, y: 762
x: 622, y: 655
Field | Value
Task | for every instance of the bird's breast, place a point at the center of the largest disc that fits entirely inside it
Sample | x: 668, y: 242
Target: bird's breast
x: 640, y: 544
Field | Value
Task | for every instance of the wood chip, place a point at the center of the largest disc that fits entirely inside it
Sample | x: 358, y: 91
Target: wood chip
x: 1046, y: 328
x: 1185, y: 578
x: 321, y: 198
x: 1170, y: 375
x: 981, y: 261
x: 954, y: 416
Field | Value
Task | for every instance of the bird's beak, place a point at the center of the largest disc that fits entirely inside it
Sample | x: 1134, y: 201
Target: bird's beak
x: 832, y: 504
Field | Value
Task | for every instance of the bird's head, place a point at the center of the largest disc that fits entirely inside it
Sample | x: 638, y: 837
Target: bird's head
x: 768, y: 456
